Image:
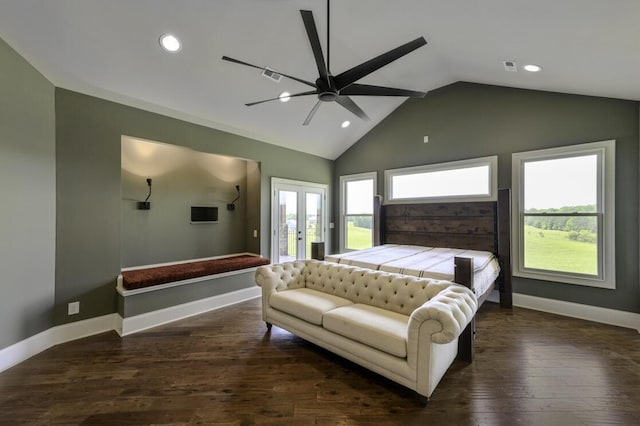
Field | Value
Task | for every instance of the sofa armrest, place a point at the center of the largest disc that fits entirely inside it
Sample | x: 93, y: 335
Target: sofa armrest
x: 277, y: 277
x: 280, y: 276
x: 432, y: 333
x: 453, y: 308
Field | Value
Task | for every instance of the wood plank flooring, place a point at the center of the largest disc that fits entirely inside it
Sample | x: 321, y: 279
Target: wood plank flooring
x: 531, y: 368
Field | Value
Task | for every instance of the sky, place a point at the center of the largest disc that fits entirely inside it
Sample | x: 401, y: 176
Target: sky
x: 360, y: 197
x: 547, y: 184
x: 561, y: 182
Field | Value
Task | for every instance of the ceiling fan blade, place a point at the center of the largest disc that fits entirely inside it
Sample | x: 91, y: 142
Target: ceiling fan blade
x: 311, y: 114
x: 295, y: 95
x: 308, y: 83
x: 348, y: 77
x: 312, y: 33
x: 368, y: 90
x: 347, y: 103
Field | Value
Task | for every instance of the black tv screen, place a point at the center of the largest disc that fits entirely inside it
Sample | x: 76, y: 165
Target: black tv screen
x: 204, y: 214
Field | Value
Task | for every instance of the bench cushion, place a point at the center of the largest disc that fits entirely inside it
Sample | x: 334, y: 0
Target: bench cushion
x: 147, y: 277
x: 375, y: 327
x: 305, y: 303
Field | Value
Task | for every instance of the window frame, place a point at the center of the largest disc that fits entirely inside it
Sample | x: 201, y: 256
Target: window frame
x: 343, y: 204
x: 491, y: 162
x: 605, y: 212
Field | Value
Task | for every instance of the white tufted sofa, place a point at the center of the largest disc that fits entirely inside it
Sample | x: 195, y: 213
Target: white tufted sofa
x: 404, y: 328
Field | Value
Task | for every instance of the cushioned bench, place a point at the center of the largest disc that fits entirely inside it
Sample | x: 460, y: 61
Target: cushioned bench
x: 151, y: 276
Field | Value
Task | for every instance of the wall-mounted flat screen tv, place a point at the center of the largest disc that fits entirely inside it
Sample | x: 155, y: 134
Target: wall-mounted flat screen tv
x: 204, y: 214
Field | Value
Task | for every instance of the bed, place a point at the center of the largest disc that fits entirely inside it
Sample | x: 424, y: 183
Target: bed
x: 466, y: 242
x: 430, y: 262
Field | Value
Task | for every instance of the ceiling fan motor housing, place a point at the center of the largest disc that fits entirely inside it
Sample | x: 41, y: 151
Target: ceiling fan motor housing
x: 327, y: 91
x: 339, y: 88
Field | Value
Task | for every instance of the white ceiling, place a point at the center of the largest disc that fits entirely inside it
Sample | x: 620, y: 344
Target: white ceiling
x: 110, y: 49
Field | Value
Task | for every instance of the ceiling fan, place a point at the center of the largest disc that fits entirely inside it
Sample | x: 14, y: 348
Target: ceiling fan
x: 338, y: 88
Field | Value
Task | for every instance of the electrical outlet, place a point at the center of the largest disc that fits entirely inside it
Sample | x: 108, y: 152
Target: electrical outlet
x: 73, y: 308
x: 255, y: 233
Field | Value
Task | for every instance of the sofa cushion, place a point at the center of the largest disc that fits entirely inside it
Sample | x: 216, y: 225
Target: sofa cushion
x: 375, y: 327
x: 306, y: 304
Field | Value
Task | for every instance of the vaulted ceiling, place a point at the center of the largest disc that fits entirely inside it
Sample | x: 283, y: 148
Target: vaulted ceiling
x: 110, y: 49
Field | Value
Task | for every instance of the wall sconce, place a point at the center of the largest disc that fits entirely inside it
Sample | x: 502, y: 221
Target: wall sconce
x: 232, y: 205
x: 146, y: 204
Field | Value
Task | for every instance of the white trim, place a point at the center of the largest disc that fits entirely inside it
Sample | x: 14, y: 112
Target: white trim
x: 120, y: 288
x: 179, y: 262
x: 148, y: 320
x: 301, y: 187
x: 605, y: 150
x: 344, y: 179
x: 25, y: 349
x: 33, y: 345
x: 576, y: 310
x: 491, y: 162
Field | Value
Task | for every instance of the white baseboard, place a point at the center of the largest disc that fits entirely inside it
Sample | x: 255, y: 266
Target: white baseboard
x: 27, y: 348
x: 148, y: 320
x: 33, y: 345
x: 576, y: 310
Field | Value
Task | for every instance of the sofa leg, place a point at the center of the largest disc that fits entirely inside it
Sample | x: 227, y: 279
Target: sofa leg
x: 269, y: 325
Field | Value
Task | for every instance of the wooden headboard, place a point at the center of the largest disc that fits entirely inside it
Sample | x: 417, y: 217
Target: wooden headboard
x: 467, y: 225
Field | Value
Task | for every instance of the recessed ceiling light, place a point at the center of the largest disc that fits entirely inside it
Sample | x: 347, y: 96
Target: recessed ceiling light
x: 170, y: 43
x: 285, y: 96
x: 532, y: 68
x: 345, y: 124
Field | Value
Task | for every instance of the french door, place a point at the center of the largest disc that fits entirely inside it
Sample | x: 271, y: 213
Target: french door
x: 298, y: 218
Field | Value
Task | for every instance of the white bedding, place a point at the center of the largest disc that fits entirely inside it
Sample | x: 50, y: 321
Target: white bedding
x: 430, y: 262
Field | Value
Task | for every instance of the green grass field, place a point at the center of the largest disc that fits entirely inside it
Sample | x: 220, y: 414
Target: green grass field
x: 553, y: 250
x: 545, y: 249
x: 358, y: 238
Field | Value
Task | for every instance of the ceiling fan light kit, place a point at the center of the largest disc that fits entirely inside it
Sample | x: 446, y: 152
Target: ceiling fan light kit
x: 339, y: 88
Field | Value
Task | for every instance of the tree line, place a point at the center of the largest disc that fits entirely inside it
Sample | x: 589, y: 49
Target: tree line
x: 579, y: 228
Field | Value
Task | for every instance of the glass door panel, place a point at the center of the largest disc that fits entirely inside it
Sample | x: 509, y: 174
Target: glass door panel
x: 298, y: 214
x: 314, y: 229
x: 287, y: 225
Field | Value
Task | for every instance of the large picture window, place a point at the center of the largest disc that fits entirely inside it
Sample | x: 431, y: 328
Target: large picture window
x: 466, y: 180
x: 564, y: 214
x: 356, y: 206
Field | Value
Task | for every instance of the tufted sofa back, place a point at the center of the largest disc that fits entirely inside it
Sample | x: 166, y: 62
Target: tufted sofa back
x: 393, y: 292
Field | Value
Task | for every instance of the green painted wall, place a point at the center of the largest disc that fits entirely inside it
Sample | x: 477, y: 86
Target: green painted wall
x: 181, y: 178
x: 88, y: 132
x: 466, y: 120
x: 143, y: 303
x: 27, y: 188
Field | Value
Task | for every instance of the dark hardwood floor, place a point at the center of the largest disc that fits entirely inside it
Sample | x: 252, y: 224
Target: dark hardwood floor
x: 224, y: 368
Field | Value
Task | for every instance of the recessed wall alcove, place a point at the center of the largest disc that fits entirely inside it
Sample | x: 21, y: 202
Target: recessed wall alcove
x: 182, y: 178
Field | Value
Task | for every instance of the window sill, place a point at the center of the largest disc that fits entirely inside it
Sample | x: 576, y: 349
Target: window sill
x: 567, y: 279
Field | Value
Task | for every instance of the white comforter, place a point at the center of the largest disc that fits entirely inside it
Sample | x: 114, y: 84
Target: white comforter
x: 419, y: 261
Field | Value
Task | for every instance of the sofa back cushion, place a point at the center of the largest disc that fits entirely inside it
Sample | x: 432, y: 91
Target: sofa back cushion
x: 394, y: 292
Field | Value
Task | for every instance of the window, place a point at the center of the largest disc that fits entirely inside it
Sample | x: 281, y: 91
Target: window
x: 466, y: 180
x: 564, y: 214
x: 356, y: 207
